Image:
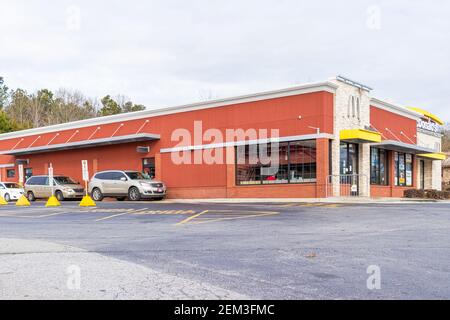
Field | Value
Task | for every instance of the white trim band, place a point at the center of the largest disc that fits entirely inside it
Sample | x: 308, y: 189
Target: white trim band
x: 8, y: 165
x: 402, y: 111
x: 248, y: 142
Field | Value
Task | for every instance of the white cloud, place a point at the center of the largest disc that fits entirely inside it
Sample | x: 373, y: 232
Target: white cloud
x: 172, y: 52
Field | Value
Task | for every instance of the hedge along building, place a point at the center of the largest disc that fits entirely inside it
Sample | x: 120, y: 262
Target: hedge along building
x: 333, y: 137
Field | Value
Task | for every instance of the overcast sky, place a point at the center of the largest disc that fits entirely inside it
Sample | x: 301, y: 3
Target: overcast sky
x: 163, y: 53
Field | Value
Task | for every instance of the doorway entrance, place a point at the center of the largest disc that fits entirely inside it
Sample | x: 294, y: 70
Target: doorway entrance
x: 349, y: 169
x: 148, y: 167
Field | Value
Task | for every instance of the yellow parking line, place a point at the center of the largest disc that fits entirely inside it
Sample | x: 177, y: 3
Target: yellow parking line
x: 192, y: 217
x: 235, y: 218
x: 332, y: 206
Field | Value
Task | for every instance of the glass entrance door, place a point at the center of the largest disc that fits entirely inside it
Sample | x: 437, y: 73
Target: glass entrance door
x: 349, y: 158
x: 422, y: 174
x: 349, y: 163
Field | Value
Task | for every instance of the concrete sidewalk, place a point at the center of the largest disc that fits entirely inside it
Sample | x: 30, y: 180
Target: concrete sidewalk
x: 34, y: 269
x: 349, y: 200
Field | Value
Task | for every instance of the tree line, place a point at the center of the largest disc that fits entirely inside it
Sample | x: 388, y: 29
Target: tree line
x: 20, y: 109
x: 446, y: 138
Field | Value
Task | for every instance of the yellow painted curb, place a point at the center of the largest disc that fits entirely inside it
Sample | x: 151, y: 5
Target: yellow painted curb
x: 3, y: 201
x: 53, y: 202
x: 87, y: 202
x: 23, y: 202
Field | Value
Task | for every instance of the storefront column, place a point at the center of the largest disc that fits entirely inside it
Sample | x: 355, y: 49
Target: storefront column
x: 335, y: 189
x: 391, y: 172
x: 364, y: 170
x: 415, y: 172
x: 436, y: 175
x: 158, y: 167
x: 323, y: 166
x: 231, y: 169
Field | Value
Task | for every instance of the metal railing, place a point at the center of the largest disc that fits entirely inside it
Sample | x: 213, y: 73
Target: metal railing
x: 346, y: 185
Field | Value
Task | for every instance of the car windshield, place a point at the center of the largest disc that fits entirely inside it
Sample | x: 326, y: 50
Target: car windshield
x: 134, y: 175
x: 64, y: 180
x: 12, y: 186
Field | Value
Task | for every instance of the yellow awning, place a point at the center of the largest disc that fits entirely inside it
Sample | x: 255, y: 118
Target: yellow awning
x: 360, y: 136
x: 428, y: 114
x: 434, y: 156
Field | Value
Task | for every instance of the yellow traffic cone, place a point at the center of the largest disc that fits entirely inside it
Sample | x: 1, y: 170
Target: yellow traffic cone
x: 3, y: 201
x: 23, y: 202
x: 53, y: 202
x: 87, y: 202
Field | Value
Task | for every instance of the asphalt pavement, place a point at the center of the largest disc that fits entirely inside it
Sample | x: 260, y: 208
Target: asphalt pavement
x: 226, y: 251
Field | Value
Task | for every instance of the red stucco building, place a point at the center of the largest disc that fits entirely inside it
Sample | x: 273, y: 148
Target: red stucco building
x: 333, y: 139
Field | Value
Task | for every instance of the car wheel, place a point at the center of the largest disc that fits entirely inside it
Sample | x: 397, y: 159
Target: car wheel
x: 30, y: 196
x: 7, y: 197
x: 134, y: 194
x: 59, y: 195
x: 97, y: 195
x: 121, y: 199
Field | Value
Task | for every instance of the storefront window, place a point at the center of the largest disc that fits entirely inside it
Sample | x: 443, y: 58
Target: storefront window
x: 403, y: 169
x: 296, y: 164
x: 379, y: 167
x: 302, y: 162
x: 11, y: 173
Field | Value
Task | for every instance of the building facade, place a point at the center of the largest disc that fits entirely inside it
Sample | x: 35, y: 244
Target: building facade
x: 446, y: 172
x: 311, y: 141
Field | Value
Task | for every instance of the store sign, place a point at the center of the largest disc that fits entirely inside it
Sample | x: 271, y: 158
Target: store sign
x: 50, y: 176
x: 85, y: 170
x: 21, y: 174
x: 429, y: 126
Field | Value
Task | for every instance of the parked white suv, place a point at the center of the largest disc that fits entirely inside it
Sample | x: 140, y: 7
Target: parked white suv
x: 125, y: 184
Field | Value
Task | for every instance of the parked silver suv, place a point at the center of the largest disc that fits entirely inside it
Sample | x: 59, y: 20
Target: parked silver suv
x: 125, y: 184
x: 64, y: 188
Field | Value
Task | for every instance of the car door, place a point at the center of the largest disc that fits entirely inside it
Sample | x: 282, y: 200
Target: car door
x: 46, y: 190
x: 3, y: 190
x: 108, y: 183
x: 120, y: 186
x: 36, y: 186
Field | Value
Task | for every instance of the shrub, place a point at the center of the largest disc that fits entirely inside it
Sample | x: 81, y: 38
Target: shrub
x: 427, y: 194
x: 432, y: 194
x: 437, y: 195
x: 414, y: 193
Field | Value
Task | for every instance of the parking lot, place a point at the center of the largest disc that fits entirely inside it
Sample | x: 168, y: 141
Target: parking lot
x: 233, y: 250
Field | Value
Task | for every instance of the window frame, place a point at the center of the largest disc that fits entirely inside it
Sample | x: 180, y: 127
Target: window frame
x: 8, y: 171
x: 403, y: 156
x: 261, y: 182
x: 379, y: 152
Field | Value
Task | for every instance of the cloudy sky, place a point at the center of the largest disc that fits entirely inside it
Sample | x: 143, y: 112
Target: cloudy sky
x: 163, y: 53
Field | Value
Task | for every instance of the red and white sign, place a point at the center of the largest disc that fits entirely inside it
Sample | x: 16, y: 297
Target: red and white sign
x: 85, y: 169
x: 21, y: 174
